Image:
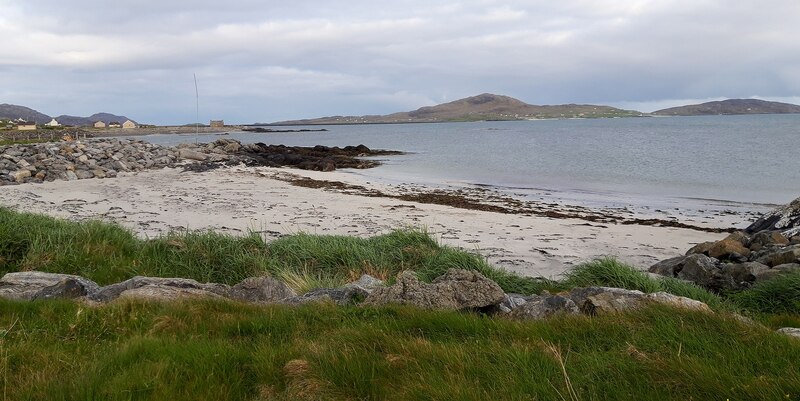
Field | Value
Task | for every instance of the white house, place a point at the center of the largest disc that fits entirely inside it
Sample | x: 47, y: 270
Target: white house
x: 53, y: 123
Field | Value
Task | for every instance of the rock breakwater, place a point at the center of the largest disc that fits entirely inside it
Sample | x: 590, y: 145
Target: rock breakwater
x: 768, y: 248
x: 105, y: 158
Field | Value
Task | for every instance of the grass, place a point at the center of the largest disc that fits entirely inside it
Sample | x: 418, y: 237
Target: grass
x: 222, y: 350
x: 212, y: 350
x: 5, y: 142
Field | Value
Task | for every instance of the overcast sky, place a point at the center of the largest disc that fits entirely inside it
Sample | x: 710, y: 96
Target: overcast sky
x: 262, y: 61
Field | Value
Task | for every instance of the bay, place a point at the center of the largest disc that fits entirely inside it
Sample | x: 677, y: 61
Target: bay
x: 658, y: 161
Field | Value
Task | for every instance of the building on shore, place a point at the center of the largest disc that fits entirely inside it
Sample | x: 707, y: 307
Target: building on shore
x: 26, y: 125
x: 217, y: 123
x: 114, y: 124
x: 53, y: 123
x: 128, y: 124
x: 99, y: 124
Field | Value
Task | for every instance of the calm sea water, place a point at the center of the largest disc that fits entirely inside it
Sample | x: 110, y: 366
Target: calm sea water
x: 742, y: 159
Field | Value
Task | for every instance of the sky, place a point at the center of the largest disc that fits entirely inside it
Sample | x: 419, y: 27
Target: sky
x: 264, y: 61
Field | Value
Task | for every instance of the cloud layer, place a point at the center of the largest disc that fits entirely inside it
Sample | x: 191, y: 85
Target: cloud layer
x: 266, y: 61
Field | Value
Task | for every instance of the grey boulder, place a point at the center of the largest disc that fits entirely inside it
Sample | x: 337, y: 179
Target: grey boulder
x: 31, y: 285
x: 456, y: 289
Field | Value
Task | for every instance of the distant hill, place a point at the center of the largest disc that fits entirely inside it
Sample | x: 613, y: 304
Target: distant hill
x: 731, y: 106
x: 13, y: 112
x: 476, y: 108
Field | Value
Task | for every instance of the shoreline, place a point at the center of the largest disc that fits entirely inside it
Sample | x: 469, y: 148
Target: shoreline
x: 235, y: 200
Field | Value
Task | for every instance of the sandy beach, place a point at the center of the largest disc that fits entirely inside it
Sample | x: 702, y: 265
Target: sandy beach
x: 240, y: 199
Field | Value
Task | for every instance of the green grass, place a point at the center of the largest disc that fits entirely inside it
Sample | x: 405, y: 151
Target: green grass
x: 213, y: 350
x: 5, y: 142
x: 222, y: 350
x: 108, y: 253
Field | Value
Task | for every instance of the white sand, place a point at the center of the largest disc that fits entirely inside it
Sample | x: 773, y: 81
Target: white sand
x: 236, y: 200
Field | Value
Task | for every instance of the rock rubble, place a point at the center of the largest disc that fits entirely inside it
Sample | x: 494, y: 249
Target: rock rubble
x: 107, y: 157
x: 768, y: 248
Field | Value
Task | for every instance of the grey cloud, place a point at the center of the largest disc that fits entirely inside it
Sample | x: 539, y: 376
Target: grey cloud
x: 277, y: 60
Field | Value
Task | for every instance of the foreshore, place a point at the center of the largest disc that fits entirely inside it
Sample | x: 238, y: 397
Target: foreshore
x: 280, y: 201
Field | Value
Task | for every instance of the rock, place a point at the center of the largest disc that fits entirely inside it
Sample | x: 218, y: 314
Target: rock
x: 790, y: 254
x: 537, y: 308
x: 744, y: 275
x: 457, y: 289
x: 21, y: 175
x: 676, y: 301
x: 263, y: 289
x: 702, y: 248
x: 767, y: 238
x: 787, y: 267
x: 609, y: 300
x: 367, y: 283
x: 728, y: 248
x: 192, y: 155
x: 471, y: 289
x: 71, y: 175
x: 784, y: 219
x: 34, y: 285
x: 697, y: 268
x: 165, y: 293
x: 159, y: 288
x: 604, y: 300
x: 83, y: 174
x: 509, y: 303
x: 790, y: 331
x: 339, y: 296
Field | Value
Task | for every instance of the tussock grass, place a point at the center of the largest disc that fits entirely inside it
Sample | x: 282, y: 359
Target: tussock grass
x: 218, y: 350
x: 778, y: 295
x: 108, y: 253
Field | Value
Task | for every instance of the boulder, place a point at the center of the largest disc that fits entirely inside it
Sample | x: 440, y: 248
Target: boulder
x: 702, y: 247
x: 159, y: 288
x: 36, y: 285
x: 785, y: 219
x: 780, y: 256
x: 192, y: 155
x: 696, y: 268
x: 263, y: 289
x: 367, y: 283
x: 612, y: 301
x: 790, y: 331
x: 509, y: 303
x: 728, y: 248
x: 676, y: 301
x: 541, y: 307
x: 767, y: 238
x: 456, y: 289
x: 744, y: 275
x: 339, y: 296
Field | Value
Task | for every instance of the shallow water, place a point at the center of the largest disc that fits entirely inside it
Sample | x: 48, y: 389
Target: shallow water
x: 653, y: 162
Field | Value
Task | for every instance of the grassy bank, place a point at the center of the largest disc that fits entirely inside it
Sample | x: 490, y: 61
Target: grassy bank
x: 204, y: 350
x: 220, y: 350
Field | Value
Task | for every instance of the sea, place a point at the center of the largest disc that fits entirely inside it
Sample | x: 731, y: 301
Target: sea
x: 732, y: 163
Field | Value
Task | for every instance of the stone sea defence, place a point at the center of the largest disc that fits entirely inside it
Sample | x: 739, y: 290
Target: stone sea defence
x: 766, y: 249
x: 105, y: 158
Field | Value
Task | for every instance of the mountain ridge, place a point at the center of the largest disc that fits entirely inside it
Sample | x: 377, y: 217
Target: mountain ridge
x: 486, y: 106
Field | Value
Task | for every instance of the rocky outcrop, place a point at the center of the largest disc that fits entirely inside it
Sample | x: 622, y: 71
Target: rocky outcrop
x: 456, y: 289
x: 106, y: 158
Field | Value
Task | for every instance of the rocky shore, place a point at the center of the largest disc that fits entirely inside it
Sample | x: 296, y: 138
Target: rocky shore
x: 105, y: 158
x: 766, y: 249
